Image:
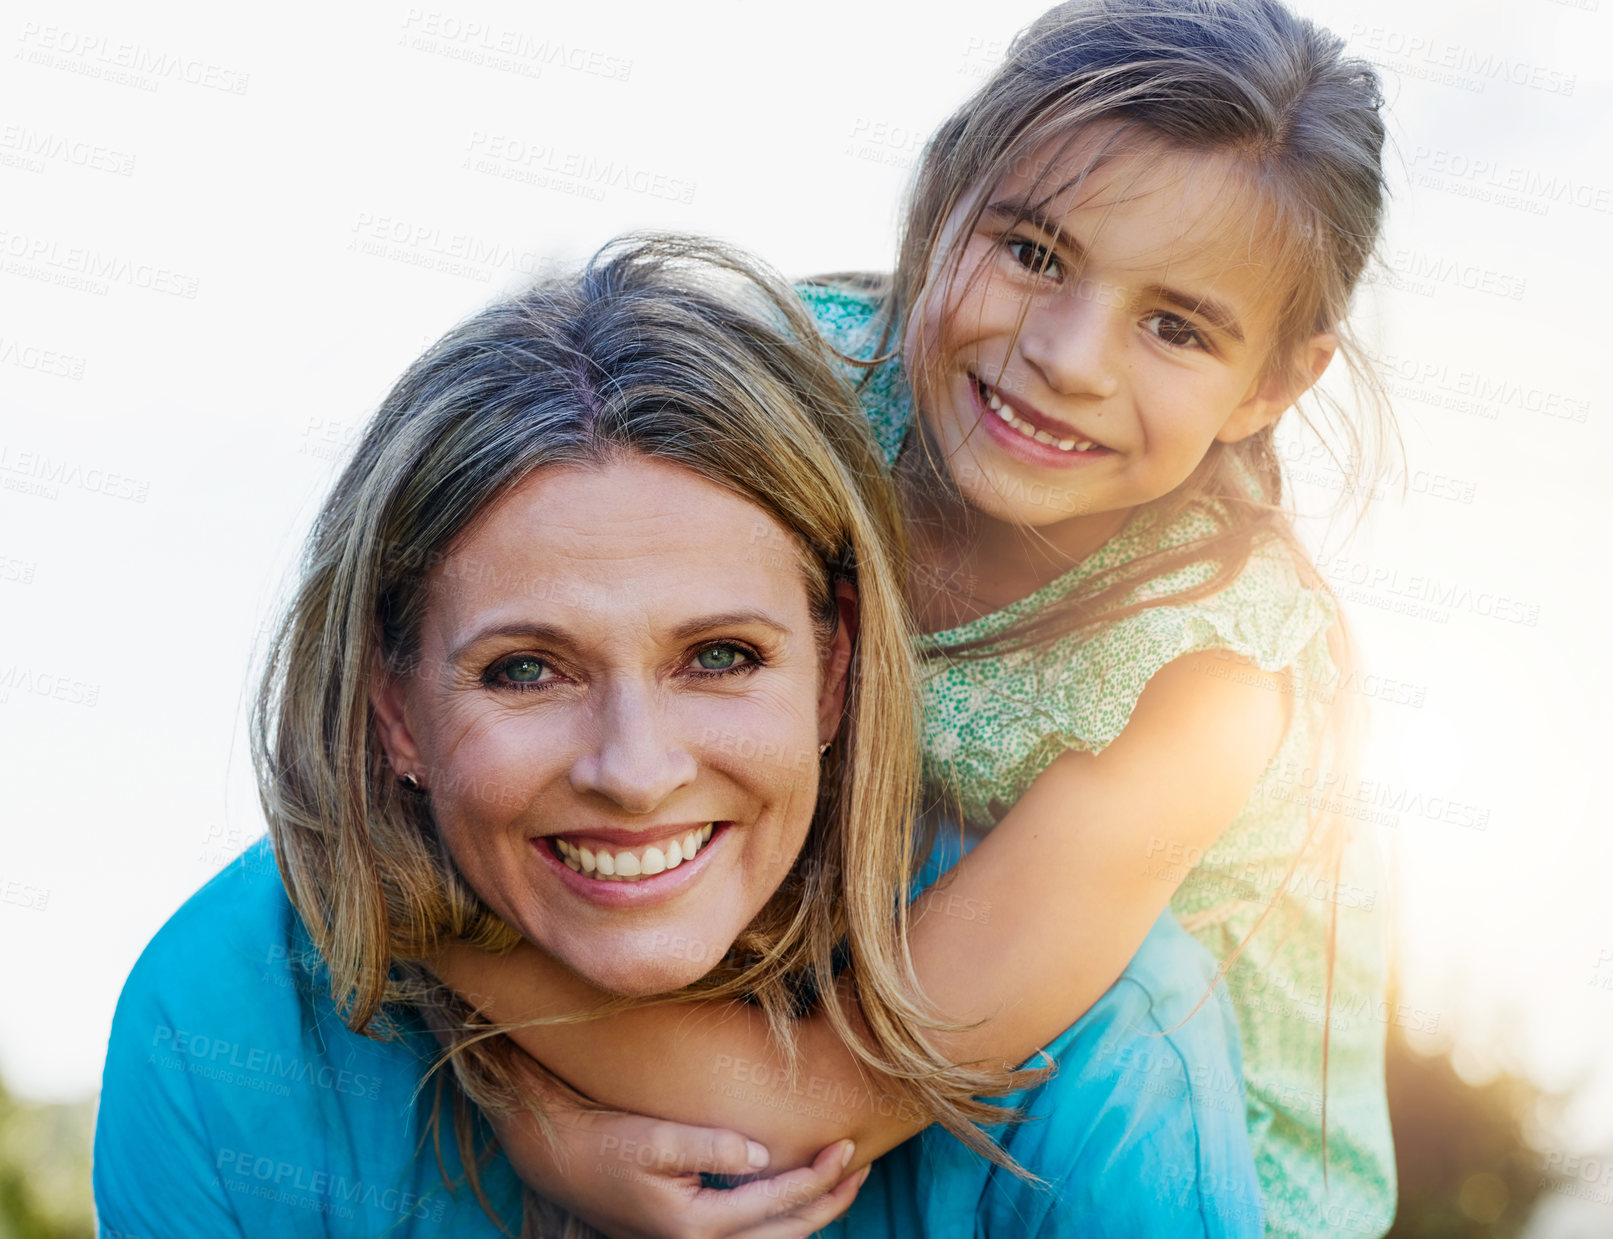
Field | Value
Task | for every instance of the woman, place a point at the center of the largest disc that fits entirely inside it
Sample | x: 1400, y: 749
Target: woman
x: 612, y: 564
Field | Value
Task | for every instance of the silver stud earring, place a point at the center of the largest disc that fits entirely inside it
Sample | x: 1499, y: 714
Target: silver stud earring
x: 823, y: 748
x: 409, y: 781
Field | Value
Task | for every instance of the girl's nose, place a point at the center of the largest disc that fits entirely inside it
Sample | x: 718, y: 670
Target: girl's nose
x: 638, y: 758
x: 1070, y: 339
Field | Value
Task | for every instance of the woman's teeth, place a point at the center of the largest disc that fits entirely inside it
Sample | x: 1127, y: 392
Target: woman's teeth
x: 629, y: 863
x: 995, y: 403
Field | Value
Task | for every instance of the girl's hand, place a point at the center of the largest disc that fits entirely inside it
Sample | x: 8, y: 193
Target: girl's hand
x: 634, y: 1177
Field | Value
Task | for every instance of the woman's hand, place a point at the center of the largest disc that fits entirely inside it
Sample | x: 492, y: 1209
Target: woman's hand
x: 634, y: 1177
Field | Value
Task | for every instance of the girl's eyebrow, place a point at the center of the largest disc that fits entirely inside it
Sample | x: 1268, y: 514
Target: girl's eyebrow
x: 1220, y: 317
x: 1217, y: 314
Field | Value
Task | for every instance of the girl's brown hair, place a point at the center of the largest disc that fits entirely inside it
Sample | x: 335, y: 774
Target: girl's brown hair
x: 673, y: 349
x: 1297, y: 121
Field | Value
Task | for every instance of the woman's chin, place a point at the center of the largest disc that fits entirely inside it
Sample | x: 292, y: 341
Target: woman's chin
x: 645, y: 978
x: 639, y: 965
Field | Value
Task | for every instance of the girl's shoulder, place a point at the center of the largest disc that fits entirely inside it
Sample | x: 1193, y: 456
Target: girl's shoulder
x: 847, y: 309
x: 1267, y: 617
x: 851, y: 315
x: 1085, y: 686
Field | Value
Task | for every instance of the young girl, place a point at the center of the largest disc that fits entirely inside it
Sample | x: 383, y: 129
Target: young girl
x: 1124, y: 260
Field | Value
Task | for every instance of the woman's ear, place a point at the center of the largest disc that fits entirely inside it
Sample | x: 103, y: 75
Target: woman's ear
x: 392, y: 723
x: 1274, y: 394
x: 837, y: 663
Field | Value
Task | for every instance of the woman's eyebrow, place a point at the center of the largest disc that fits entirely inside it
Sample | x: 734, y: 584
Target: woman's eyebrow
x: 728, y: 619
x: 546, y: 634
x: 549, y: 634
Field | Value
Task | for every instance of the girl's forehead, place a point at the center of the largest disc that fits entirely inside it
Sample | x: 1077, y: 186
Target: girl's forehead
x: 1144, y: 200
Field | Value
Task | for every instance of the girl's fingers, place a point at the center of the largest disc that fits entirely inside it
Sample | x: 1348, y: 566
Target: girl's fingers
x: 753, y: 1208
x: 662, y: 1147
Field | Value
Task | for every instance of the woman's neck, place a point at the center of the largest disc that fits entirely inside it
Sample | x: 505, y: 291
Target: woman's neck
x: 966, y: 563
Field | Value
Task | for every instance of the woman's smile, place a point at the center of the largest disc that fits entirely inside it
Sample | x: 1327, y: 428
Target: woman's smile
x: 617, y: 876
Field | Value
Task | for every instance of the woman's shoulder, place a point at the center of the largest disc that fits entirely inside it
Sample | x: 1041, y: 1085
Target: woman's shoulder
x: 228, y: 1056
x: 205, y: 950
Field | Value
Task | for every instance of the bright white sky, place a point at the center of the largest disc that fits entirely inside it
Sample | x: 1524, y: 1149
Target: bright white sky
x: 306, y: 188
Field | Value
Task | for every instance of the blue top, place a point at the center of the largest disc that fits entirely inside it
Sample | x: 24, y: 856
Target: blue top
x: 1140, y: 1131
x: 236, y: 1103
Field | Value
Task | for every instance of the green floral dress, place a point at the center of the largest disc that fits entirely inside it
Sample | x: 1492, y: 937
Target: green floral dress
x: 992, y: 725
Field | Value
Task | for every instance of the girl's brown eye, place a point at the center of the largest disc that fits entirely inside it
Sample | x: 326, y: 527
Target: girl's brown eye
x: 1174, y: 330
x: 1035, y: 258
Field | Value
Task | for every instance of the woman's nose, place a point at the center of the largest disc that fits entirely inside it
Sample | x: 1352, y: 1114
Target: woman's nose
x: 638, y: 758
x: 1070, y: 339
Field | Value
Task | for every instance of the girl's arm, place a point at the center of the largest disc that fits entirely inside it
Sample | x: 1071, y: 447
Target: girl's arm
x: 1023, y: 935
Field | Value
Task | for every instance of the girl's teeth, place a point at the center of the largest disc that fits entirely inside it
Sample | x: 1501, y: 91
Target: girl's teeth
x: 995, y: 404
x: 657, y: 858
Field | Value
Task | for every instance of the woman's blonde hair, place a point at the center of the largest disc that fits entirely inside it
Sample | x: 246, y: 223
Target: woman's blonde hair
x: 669, y: 348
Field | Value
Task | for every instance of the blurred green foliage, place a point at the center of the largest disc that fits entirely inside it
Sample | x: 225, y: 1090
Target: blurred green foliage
x: 1467, y: 1169
x: 45, y: 1170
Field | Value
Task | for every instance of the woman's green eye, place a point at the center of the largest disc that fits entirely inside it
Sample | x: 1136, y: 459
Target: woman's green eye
x: 523, y: 670
x: 719, y: 658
